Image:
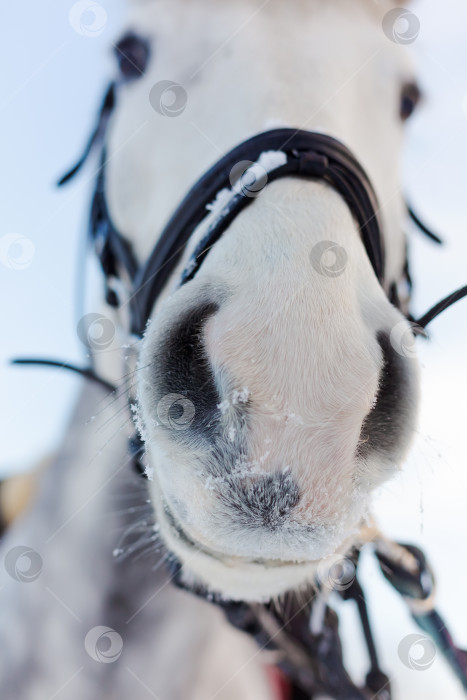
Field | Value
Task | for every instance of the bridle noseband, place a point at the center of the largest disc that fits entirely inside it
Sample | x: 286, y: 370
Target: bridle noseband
x: 306, y: 154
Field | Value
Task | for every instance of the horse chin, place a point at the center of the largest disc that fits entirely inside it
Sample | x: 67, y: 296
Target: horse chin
x: 233, y: 577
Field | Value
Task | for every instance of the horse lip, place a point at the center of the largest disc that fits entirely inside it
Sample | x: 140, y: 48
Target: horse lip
x: 176, y: 526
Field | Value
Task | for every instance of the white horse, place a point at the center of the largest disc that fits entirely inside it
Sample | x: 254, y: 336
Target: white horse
x: 314, y: 407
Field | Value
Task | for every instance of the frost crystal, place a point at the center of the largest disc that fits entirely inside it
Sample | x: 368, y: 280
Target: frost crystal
x: 270, y: 160
x: 240, y: 396
x: 222, y: 197
x: 223, y: 407
x: 149, y: 472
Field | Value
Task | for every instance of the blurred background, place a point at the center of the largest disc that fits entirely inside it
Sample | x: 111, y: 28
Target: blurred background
x: 50, y: 92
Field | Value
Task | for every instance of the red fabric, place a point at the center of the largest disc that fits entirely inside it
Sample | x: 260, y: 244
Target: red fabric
x: 279, y: 684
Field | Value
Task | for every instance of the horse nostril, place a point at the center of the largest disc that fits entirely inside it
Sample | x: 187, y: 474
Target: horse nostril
x: 183, y: 376
x: 387, y: 420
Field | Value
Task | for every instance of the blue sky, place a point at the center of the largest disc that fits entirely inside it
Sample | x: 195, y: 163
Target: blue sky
x: 49, y: 94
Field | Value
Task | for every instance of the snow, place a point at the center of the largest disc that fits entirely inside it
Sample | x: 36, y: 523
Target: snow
x: 223, y: 406
x: 222, y: 198
x: 240, y: 396
x: 271, y: 160
x: 149, y: 472
x: 255, y: 173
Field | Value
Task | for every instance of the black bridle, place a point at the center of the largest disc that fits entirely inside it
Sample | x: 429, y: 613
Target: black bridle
x: 306, y: 154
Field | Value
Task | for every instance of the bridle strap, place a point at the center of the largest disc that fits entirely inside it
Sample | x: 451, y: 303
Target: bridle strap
x: 113, y: 250
x: 309, y: 154
x: 107, y: 107
x: 441, y: 306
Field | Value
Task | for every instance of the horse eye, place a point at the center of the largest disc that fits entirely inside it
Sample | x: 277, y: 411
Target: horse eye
x: 410, y: 97
x: 132, y: 54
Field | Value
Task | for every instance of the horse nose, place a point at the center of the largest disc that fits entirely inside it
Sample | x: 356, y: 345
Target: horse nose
x: 265, y: 501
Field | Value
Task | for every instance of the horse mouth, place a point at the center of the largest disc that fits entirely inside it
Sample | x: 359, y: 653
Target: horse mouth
x: 177, y: 528
x: 228, y: 559
x: 233, y: 577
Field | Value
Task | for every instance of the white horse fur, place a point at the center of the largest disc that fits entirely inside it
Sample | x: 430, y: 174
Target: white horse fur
x: 281, y: 483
